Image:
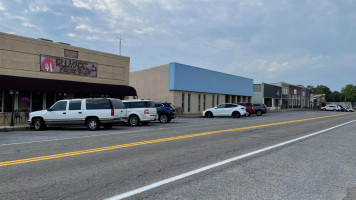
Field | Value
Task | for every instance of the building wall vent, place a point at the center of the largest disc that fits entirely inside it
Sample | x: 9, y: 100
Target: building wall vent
x: 44, y: 39
x: 63, y: 43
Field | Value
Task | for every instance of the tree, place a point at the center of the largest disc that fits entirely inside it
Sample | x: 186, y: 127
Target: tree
x: 349, y: 92
x: 312, y: 88
x: 336, y: 96
x: 322, y: 89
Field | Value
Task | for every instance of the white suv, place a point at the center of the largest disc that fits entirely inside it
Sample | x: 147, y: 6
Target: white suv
x: 139, y: 110
x: 89, y: 112
x: 331, y: 107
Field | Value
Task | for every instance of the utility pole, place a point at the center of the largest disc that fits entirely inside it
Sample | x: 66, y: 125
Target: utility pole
x: 120, y: 39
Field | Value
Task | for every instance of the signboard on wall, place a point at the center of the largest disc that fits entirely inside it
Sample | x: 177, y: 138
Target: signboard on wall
x: 70, y: 53
x: 54, y: 64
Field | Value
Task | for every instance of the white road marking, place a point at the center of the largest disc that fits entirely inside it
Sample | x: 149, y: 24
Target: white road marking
x: 184, y: 175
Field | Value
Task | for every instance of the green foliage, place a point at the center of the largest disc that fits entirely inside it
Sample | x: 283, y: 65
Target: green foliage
x: 349, y: 92
x: 322, y: 89
x: 336, y: 96
x: 312, y: 88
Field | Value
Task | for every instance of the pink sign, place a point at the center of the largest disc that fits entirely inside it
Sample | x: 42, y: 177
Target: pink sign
x: 48, y: 65
x: 54, y: 64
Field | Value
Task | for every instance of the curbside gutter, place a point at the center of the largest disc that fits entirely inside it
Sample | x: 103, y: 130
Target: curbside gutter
x: 14, y: 128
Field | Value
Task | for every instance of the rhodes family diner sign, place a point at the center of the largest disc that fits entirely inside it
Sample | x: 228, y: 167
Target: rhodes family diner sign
x: 54, y: 64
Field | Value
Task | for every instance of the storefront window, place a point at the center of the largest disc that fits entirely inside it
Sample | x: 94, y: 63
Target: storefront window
x: 188, y: 102
x: 7, y: 101
x: 24, y: 101
x: 50, y: 99
x: 37, y: 101
x: 183, y: 95
x: 199, y: 102
x: 60, y: 96
x: 204, y: 102
x: 1, y: 97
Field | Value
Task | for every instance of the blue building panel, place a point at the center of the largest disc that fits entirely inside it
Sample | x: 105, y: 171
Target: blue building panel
x: 189, y: 78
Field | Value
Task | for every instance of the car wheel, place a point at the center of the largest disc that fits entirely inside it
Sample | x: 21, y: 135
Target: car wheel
x: 258, y: 113
x: 334, y: 110
x: 134, y: 120
x: 108, y: 126
x: 324, y: 109
x: 209, y: 115
x: 247, y: 114
x: 163, y: 118
x: 236, y: 114
x: 38, y: 124
x: 93, y: 124
x: 145, y: 123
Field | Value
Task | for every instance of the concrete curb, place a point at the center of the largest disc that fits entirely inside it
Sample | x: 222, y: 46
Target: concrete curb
x: 14, y: 128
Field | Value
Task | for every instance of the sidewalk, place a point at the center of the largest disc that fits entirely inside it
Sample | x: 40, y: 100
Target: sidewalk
x: 14, y: 128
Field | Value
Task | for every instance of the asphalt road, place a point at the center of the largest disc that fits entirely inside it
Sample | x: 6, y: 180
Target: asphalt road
x: 126, y: 158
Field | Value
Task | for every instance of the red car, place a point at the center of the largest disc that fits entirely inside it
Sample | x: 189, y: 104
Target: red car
x: 250, y: 109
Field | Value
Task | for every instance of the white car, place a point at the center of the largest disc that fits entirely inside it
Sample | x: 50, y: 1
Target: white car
x: 349, y: 109
x: 226, y: 110
x: 89, y: 112
x: 140, y: 111
x: 331, y: 108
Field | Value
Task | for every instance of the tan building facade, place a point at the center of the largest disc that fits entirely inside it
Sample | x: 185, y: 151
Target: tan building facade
x: 187, y: 89
x: 36, y: 72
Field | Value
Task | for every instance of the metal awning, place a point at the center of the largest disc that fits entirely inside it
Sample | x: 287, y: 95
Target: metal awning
x: 50, y: 85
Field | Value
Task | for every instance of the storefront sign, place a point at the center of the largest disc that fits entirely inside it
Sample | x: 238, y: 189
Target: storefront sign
x: 27, y: 99
x: 54, y: 64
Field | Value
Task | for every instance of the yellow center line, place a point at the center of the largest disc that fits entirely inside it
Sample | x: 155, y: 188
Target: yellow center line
x: 87, y: 151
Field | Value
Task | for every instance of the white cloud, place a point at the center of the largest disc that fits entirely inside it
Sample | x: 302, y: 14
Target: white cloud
x: 271, y: 66
x: 144, y: 30
x: 131, y: 16
x: 79, y: 19
x: 26, y: 24
x: 87, y: 28
x: 38, y: 8
x: 82, y: 4
x: 71, y: 35
x: 15, y: 17
x: 92, y: 38
x: 2, y: 7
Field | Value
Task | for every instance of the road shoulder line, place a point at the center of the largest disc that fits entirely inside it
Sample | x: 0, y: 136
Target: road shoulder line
x: 184, y: 175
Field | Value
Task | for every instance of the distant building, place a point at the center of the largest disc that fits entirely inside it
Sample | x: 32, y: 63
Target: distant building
x: 295, y: 96
x: 190, y: 89
x: 320, y: 100
x: 268, y: 94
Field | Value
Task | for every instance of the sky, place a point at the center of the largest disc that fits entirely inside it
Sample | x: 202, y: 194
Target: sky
x: 307, y: 42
